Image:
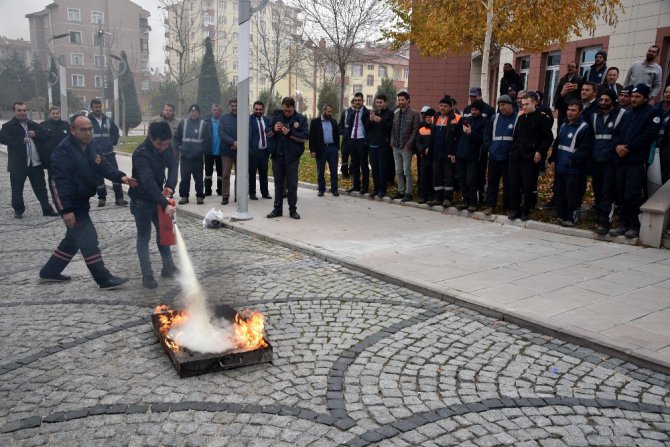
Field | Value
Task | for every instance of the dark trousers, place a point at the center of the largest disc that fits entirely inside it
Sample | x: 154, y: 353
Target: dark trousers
x: 258, y: 162
x: 498, y: 169
x: 603, y: 179
x: 288, y: 172
x: 390, y: 167
x: 345, y: 160
x: 102, y: 189
x: 569, y: 190
x: 328, y: 155
x: 425, y: 165
x: 379, y: 163
x: 481, y: 180
x: 444, y: 178
x: 468, y: 179
x: 81, y: 237
x: 358, y: 151
x: 17, y: 180
x: 190, y: 167
x: 210, y: 162
x: 630, y: 179
x: 146, y: 213
x: 521, y: 173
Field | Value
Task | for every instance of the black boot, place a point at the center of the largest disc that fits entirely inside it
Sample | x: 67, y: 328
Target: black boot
x: 54, y: 266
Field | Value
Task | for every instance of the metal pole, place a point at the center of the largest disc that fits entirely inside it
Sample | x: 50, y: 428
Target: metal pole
x: 62, y: 76
x: 116, y: 99
x: 50, y: 95
x: 102, y: 63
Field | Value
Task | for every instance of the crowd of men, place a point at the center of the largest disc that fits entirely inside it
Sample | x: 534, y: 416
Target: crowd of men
x: 606, y: 131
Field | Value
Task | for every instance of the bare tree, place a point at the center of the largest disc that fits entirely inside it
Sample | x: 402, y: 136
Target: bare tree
x: 277, y: 51
x: 346, y: 27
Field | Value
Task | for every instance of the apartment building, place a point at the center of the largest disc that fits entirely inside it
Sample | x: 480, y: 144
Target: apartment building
x: 84, y: 34
x: 22, y: 48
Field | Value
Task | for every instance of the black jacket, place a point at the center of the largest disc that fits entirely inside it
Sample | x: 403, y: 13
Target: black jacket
x: 149, y: 171
x: 639, y: 129
x: 347, y: 126
x: 560, y: 102
x: 379, y: 134
x: 75, y: 173
x: 58, y: 131
x: 12, y: 135
x: 470, y: 146
x: 511, y: 78
x: 292, y: 145
x: 531, y: 134
x: 316, y: 145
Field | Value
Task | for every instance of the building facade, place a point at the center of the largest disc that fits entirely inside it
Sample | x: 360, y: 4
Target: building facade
x: 83, y: 35
x: 22, y: 48
x: 642, y: 23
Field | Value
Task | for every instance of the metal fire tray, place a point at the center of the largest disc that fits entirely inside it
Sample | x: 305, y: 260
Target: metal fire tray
x: 189, y: 363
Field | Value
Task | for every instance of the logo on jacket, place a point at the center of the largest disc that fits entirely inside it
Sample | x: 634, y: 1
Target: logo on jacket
x: 570, y: 135
x: 510, y: 126
x: 296, y: 124
x: 656, y: 120
x: 98, y: 159
x: 610, y: 125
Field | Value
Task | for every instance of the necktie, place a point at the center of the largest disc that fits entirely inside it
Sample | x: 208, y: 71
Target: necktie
x: 29, y: 147
x: 356, y: 125
x: 262, y: 131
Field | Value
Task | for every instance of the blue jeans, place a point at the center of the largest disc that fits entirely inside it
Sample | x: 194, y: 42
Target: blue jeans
x: 328, y: 155
x: 145, y: 214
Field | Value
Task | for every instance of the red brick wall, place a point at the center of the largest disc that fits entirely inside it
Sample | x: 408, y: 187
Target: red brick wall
x: 431, y: 78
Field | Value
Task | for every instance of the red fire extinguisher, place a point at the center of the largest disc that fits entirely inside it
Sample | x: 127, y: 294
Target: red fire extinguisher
x: 166, y: 228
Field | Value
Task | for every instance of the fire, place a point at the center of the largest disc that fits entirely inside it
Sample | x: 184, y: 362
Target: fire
x: 247, y: 329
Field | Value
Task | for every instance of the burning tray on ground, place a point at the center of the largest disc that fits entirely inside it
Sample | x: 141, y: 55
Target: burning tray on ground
x: 189, y: 363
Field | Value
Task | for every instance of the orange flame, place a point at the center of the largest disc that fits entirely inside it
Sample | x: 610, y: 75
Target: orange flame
x: 248, y: 328
x: 249, y: 332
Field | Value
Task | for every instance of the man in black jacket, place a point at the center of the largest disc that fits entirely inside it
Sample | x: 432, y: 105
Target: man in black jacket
x: 509, y: 77
x: 75, y: 168
x: 58, y: 130
x: 150, y: 160
x: 531, y: 141
x: 324, y: 145
x: 569, y: 88
x: 379, y: 142
x: 639, y: 129
x: 26, y: 159
x: 354, y: 138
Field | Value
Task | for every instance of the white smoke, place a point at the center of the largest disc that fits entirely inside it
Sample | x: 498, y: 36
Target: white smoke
x: 201, y: 332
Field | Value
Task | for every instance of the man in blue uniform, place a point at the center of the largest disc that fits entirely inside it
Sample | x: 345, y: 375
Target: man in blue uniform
x: 498, y: 141
x: 288, y: 144
x: 569, y: 156
x: 639, y: 129
x: 105, y: 136
x: 192, y: 140
x: 75, y: 169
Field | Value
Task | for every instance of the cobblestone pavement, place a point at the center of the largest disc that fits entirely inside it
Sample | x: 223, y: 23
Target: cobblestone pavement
x: 357, y: 361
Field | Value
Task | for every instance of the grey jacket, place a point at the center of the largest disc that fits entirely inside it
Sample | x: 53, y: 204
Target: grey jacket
x: 409, y: 129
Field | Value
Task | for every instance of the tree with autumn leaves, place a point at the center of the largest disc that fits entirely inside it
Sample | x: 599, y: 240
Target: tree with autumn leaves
x: 437, y: 27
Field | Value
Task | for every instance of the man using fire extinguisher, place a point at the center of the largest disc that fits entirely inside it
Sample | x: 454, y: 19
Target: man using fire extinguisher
x: 151, y: 197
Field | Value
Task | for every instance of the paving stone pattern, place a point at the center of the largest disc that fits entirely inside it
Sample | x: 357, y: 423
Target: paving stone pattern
x: 357, y: 361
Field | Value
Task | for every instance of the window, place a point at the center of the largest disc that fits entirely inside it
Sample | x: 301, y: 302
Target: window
x: 235, y: 6
x: 357, y: 71
x: 358, y: 88
x: 144, y: 45
x: 144, y: 25
x: 371, y: 80
x: 76, y: 59
x: 74, y: 14
x: 208, y: 19
x: 371, y: 67
x: 99, y: 81
x: 78, y: 80
x: 368, y: 100
x: 144, y: 65
x: 222, y: 4
x: 405, y: 73
x: 382, y: 72
x: 75, y: 37
x: 222, y: 19
x: 525, y: 70
x: 97, y: 17
x: 551, y: 76
x: 98, y: 61
x: 97, y: 39
x: 145, y: 85
x: 587, y: 58
x: 235, y: 80
x: 221, y: 35
x: 61, y: 59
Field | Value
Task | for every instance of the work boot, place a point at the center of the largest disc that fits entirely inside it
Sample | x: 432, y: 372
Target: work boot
x: 55, y: 278
x: 488, y: 210
x: 148, y: 282
x: 224, y: 201
x: 112, y: 282
x: 200, y: 200
x: 183, y: 200
x: 169, y: 272
x: 121, y: 202
x: 632, y: 233
x: 602, y: 230
x: 398, y: 195
x: 618, y: 231
x: 446, y: 203
x: 102, y: 202
x: 472, y: 209
x: 406, y: 198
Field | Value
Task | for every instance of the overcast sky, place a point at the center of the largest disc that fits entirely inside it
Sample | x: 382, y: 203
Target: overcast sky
x: 15, y: 25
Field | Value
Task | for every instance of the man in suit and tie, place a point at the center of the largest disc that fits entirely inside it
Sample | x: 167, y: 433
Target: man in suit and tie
x: 355, y: 138
x: 611, y: 78
x: 324, y: 144
x: 260, y: 134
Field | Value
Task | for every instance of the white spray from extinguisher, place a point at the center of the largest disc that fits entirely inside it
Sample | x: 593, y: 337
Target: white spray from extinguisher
x: 200, y: 332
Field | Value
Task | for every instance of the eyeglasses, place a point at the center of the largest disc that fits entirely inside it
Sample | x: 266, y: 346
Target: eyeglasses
x: 86, y: 129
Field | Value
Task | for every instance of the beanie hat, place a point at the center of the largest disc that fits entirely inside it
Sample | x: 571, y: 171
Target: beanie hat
x: 505, y: 99
x: 609, y: 92
x: 429, y: 112
x: 478, y: 104
x: 627, y: 89
x: 447, y: 100
x: 603, y: 53
x: 194, y: 107
x: 642, y: 89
